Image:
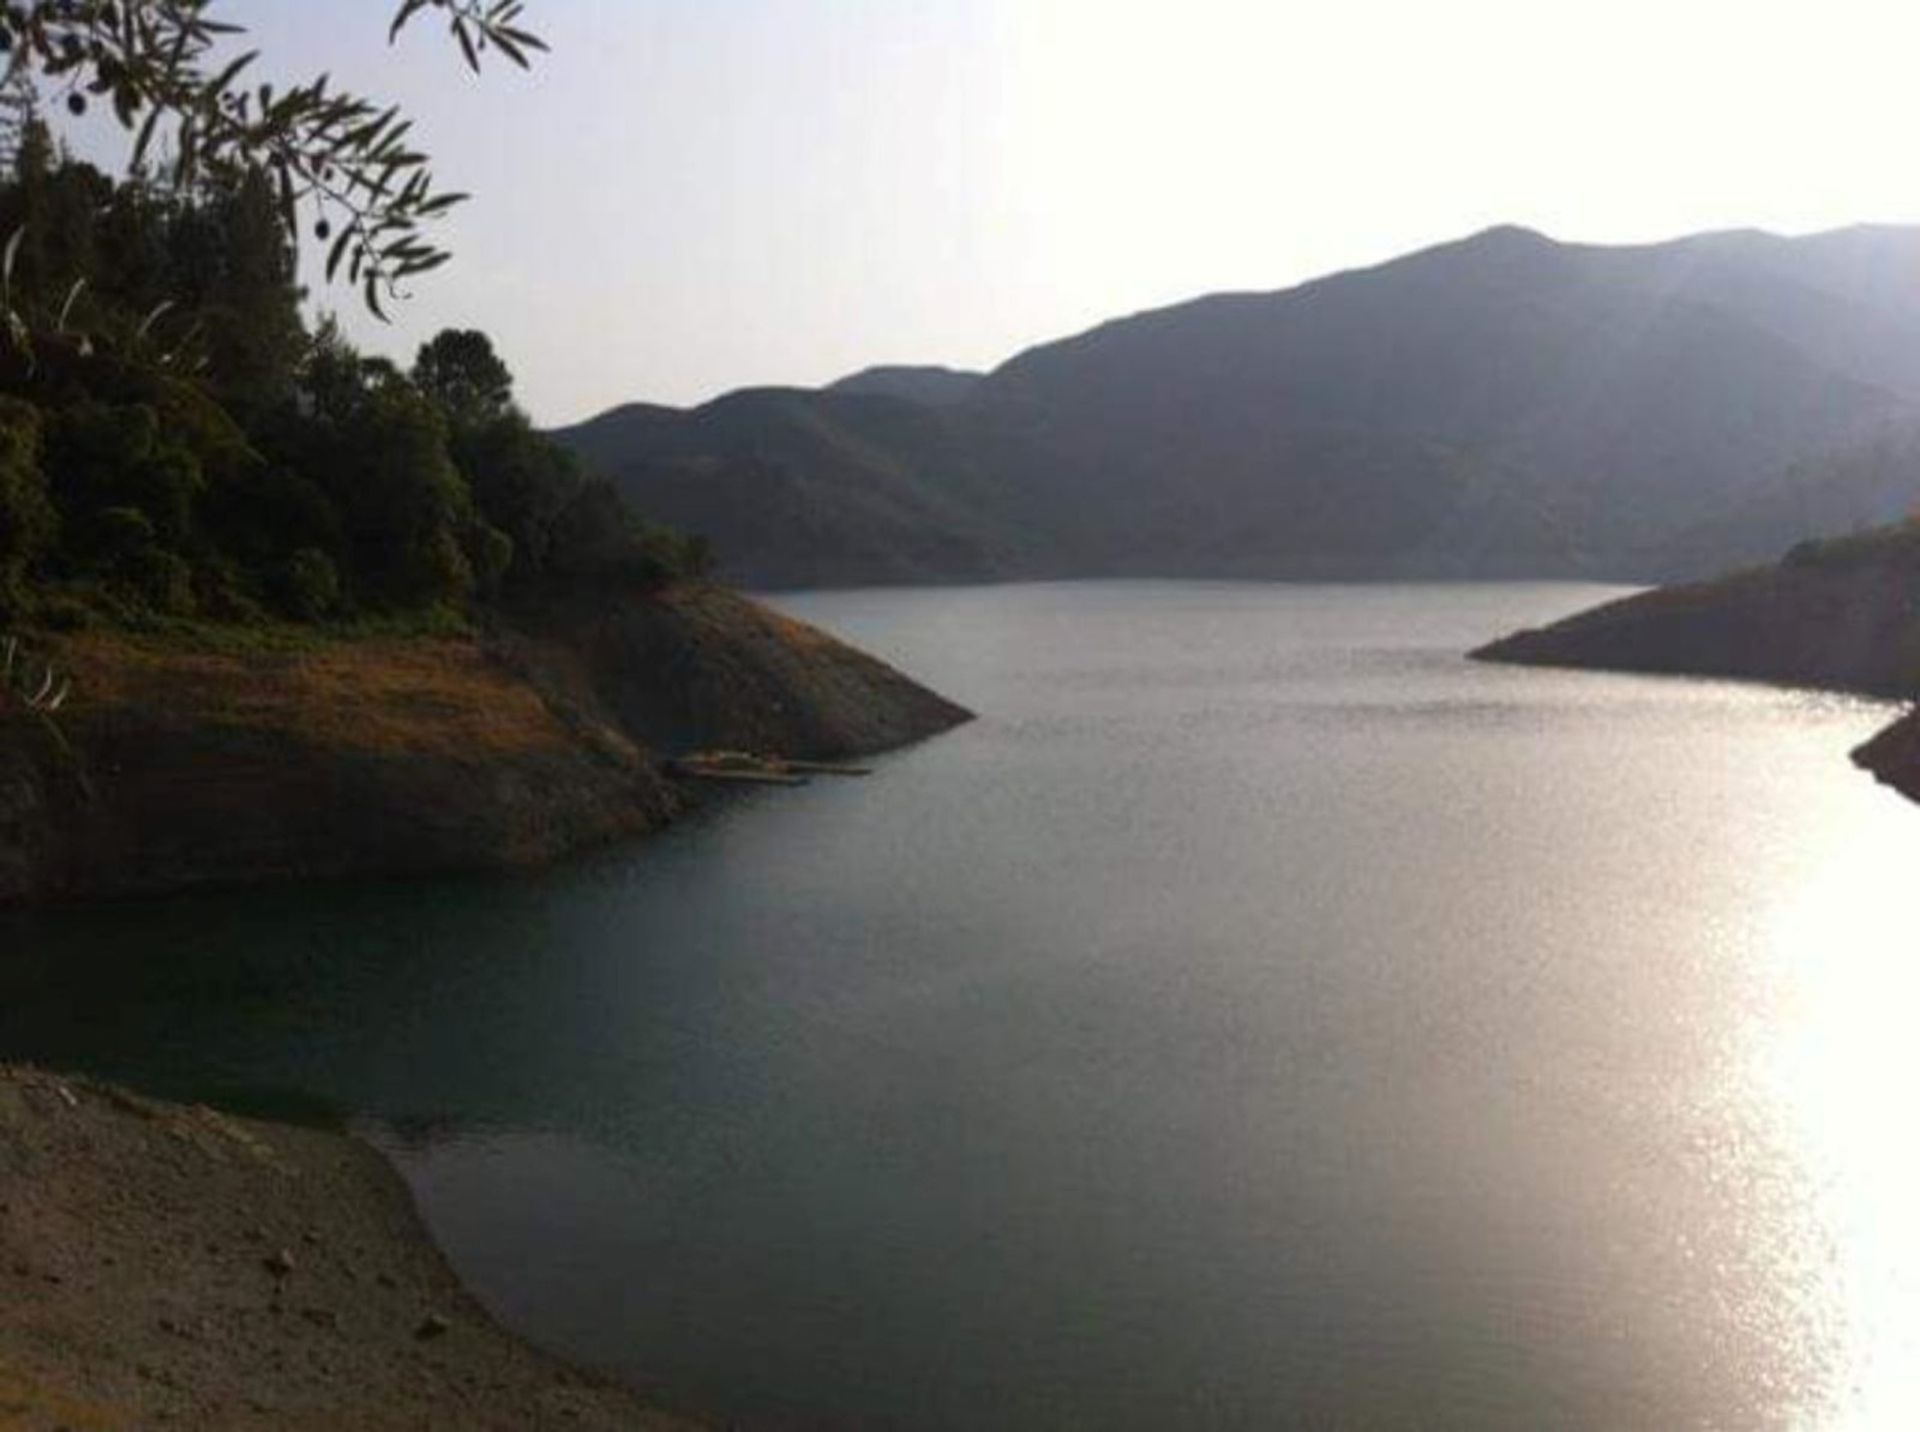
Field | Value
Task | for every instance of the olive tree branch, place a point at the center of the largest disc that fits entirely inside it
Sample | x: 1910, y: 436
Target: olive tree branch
x: 343, y: 156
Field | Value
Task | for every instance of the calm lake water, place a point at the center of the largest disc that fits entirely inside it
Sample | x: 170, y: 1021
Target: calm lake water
x: 1260, y: 1017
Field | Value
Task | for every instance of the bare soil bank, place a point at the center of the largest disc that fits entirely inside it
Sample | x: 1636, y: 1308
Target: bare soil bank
x: 192, y: 766
x: 164, y: 1266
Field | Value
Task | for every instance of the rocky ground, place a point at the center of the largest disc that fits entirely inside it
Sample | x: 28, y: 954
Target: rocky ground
x: 164, y: 1266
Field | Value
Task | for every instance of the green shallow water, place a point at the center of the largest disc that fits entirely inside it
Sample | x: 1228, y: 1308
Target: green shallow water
x: 1260, y: 1016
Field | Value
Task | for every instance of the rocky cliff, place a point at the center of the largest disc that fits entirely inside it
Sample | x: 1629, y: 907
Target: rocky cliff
x: 179, y: 765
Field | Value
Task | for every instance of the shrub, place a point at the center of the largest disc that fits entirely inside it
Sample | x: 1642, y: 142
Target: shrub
x: 28, y: 522
x: 309, y: 585
x: 120, y: 532
x: 490, y: 552
x: 439, y: 572
x: 101, y: 455
x: 159, y: 580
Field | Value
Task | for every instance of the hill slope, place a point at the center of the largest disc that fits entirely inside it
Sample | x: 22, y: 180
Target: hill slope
x: 1600, y: 397
x: 1501, y: 405
x: 1842, y: 614
x: 183, y: 766
x: 935, y: 386
x: 797, y: 488
x: 169, y: 1266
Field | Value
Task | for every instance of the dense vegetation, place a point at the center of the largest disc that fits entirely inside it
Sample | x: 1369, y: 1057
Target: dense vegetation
x: 176, y: 444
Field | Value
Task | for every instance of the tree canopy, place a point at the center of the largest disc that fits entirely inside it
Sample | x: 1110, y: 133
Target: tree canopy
x: 459, y: 370
x: 176, y: 445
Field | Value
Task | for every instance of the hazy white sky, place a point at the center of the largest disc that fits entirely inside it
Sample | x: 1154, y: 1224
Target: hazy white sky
x: 694, y: 195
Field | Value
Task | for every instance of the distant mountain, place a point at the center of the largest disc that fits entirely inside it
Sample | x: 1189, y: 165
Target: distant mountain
x: 800, y: 488
x: 1502, y: 405
x: 937, y: 387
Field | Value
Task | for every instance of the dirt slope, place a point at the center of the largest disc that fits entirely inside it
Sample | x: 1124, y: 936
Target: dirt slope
x: 164, y: 1266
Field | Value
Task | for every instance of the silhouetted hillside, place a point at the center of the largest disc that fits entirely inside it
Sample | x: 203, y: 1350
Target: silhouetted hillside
x: 1502, y: 405
x: 802, y: 488
x: 936, y: 386
x: 1850, y: 491
x: 1842, y: 613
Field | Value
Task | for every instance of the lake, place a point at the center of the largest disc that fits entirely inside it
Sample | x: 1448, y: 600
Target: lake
x: 1260, y: 1016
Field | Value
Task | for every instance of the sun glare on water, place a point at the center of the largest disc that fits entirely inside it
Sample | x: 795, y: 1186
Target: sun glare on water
x: 1839, y: 1070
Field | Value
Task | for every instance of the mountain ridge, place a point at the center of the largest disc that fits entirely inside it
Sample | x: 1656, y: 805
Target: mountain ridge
x: 1500, y: 404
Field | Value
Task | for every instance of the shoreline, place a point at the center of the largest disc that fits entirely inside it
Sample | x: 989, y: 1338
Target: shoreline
x: 188, y: 765
x: 172, y: 1265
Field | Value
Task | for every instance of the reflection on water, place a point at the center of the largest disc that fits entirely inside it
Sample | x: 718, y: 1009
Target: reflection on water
x: 1838, y: 1075
x: 1260, y: 1015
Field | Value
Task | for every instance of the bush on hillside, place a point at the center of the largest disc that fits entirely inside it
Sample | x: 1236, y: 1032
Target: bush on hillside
x: 28, y: 522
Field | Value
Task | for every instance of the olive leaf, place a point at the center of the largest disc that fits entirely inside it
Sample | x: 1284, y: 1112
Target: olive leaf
x: 345, y: 158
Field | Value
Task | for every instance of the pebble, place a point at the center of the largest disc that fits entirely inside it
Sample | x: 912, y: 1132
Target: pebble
x: 279, y: 1264
x: 431, y: 1326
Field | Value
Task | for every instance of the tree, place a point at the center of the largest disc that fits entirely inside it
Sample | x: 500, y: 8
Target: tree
x: 458, y: 369
x: 344, y: 157
x: 246, y: 292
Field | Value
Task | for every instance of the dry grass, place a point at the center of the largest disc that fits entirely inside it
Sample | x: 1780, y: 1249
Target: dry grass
x: 389, y: 695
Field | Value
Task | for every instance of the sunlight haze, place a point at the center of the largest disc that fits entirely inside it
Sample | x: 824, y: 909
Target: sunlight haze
x: 685, y: 198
